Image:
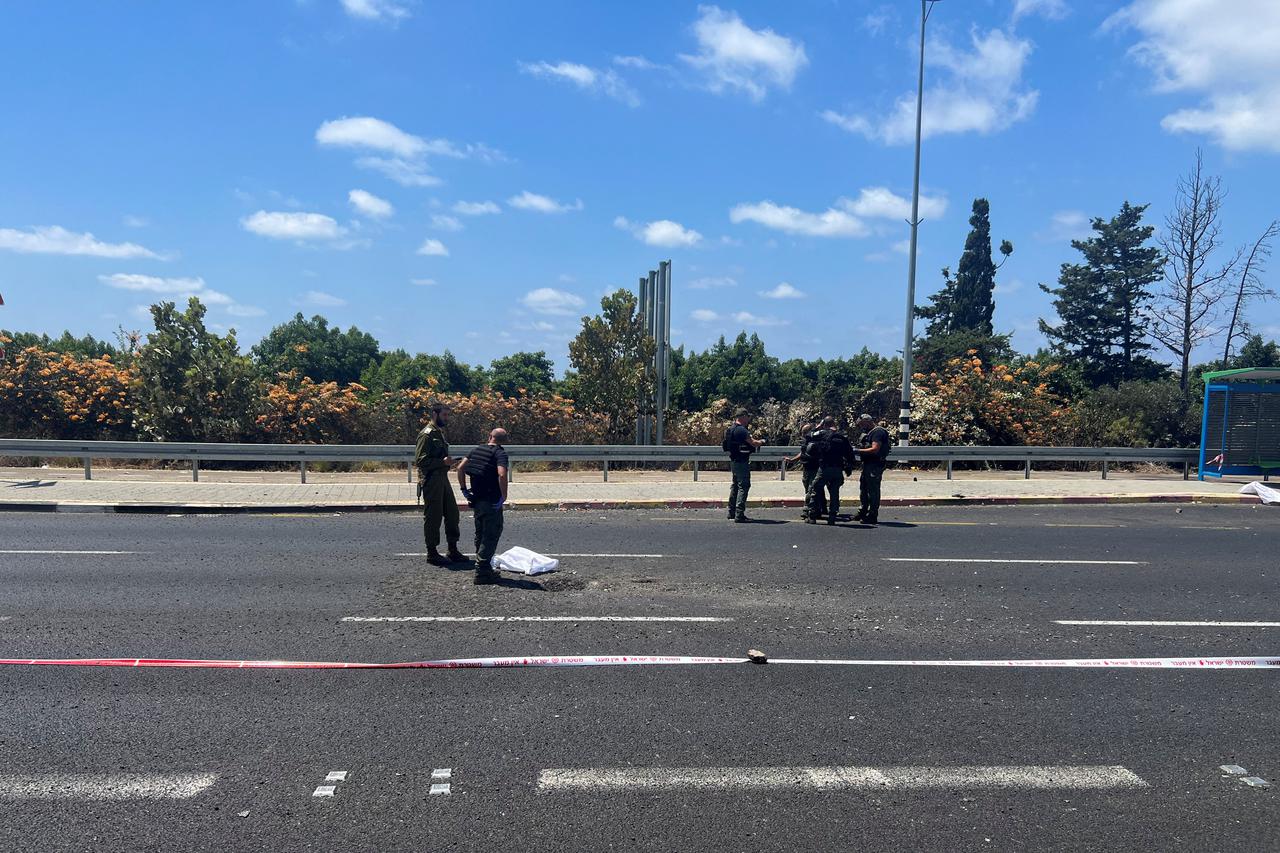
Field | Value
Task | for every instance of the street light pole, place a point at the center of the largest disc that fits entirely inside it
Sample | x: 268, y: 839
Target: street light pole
x: 904, y: 413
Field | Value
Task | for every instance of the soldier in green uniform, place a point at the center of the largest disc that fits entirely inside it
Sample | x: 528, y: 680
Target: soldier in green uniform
x: 438, y: 504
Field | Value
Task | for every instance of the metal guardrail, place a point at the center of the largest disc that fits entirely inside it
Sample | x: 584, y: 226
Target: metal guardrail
x: 197, y: 452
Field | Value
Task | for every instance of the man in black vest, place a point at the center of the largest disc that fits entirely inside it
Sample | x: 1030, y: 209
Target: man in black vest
x: 808, y: 469
x: 873, y: 451
x: 740, y: 445
x: 835, y: 460
x: 486, y: 467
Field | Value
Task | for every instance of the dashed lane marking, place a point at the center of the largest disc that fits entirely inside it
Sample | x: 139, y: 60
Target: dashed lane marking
x: 1145, y: 623
x: 60, y: 553
x: 108, y: 787
x: 839, y: 778
x: 536, y: 619
x: 1025, y: 562
x: 324, y: 790
x: 336, y: 776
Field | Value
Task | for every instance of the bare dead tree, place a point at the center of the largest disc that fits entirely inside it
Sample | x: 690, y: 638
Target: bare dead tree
x: 1187, y: 307
x: 1250, y: 286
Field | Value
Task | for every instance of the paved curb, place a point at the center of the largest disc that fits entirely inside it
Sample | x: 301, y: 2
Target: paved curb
x: 271, y: 509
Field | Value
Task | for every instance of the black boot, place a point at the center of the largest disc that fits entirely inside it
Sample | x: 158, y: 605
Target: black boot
x: 454, y: 555
x: 434, y: 558
x: 485, y: 575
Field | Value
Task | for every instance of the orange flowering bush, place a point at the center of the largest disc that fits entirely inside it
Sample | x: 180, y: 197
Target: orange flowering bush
x: 970, y: 403
x: 59, y: 395
x: 308, y: 412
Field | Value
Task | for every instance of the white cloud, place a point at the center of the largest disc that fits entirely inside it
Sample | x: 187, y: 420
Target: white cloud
x: 376, y: 10
x: 56, y: 240
x: 1066, y: 225
x: 281, y: 225
x: 662, y: 232
x: 784, y: 290
x: 136, y: 221
x: 830, y: 223
x: 704, y: 315
x: 902, y: 247
x: 441, y: 222
x: 880, y: 202
x: 423, y: 282
x: 324, y: 300
x: 876, y: 21
x: 369, y: 132
x: 541, y: 203
x: 434, y: 248
x: 597, y: 81
x: 638, y: 62
x: 548, y: 300
x: 981, y: 92
x: 370, y: 205
x: 178, y: 290
x: 709, y: 282
x: 1226, y: 54
x: 1054, y: 10
x: 749, y: 319
x: 476, y: 208
x: 408, y: 173
x: 736, y: 57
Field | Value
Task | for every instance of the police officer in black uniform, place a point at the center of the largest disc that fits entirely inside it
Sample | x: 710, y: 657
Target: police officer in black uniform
x: 873, y: 450
x: 835, y: 460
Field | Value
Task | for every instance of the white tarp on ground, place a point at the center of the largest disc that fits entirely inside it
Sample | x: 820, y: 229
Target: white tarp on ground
x: 1266, y: 493
x: 525, y: 562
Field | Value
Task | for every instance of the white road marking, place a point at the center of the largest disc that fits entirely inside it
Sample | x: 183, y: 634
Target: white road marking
x: 74, y: 553
x: 840, y: 778
x: 442, y: 773
x: 336, y: 776
x: 439, y: 788
x: 1029, y: 562
x: 633, y: 556
x: 1085, y: 525
x: 324, y: 790
x: 536, y: 619
x: 114, y: 786
x: 1141, y: 623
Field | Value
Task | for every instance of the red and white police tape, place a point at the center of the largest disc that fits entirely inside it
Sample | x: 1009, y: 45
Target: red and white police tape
x: 655, y: 660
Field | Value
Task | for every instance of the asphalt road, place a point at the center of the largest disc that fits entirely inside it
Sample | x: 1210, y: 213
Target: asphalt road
x: 728, y: 757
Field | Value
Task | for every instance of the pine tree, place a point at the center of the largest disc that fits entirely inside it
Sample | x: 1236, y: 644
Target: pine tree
x: 973, y: 303
x: 1101, y: 301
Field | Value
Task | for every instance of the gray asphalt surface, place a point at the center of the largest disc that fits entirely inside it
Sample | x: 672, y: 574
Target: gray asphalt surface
x: 279, y: 588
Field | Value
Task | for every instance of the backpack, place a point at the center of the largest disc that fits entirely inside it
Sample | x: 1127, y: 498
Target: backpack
x: 818, y: 446
x: 724, y: 444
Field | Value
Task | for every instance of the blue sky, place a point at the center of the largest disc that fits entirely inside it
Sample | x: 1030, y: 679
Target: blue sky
x: 475, y: 175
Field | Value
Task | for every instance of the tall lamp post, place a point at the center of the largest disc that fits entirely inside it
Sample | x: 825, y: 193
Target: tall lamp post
x: 904, y: 413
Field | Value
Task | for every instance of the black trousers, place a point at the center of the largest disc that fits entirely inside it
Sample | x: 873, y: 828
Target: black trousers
x: 869, y: 490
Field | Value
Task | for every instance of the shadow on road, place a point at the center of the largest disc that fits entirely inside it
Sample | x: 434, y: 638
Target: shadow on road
x: 33, y: 484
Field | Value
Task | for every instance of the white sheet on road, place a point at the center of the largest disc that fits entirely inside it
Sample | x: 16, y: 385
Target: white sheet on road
x: 1266, y: 493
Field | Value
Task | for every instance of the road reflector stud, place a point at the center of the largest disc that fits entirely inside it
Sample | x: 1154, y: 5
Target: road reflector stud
x: 1256, y: 782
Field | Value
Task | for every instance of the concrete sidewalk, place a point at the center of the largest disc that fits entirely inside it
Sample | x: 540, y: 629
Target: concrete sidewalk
x: 37, y: 490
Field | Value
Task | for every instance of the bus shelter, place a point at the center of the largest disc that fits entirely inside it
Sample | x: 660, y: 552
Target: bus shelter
x: 1240, y: 430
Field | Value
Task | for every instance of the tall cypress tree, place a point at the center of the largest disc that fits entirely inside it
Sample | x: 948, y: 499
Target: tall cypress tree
x: 973, y: 303
x: 1103, y: 328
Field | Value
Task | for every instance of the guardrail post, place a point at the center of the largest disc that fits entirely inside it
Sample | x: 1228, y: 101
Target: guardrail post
x: 408, y: 470
x: 1186, y: 470
x: 695, y: 470
x: 948, y: 469
x: 1026, y: 471
x: 1104, y: 469
x: 782, y: 469
x: 88, y: 468
x: 511, y: 471
x: 606, y: 470
x: 195, y: 470
x: 302, y: 470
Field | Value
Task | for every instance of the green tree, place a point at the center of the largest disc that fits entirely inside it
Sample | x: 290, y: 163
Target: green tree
x: 398, y: 371
x: 88, y: 346
x: 192, y: 384
x: 610, y: 357
x: 1257, y: 353
x: 316, y: 350
x: 1101, y: 303
x: 523, y: 374
x: 967, y: 302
